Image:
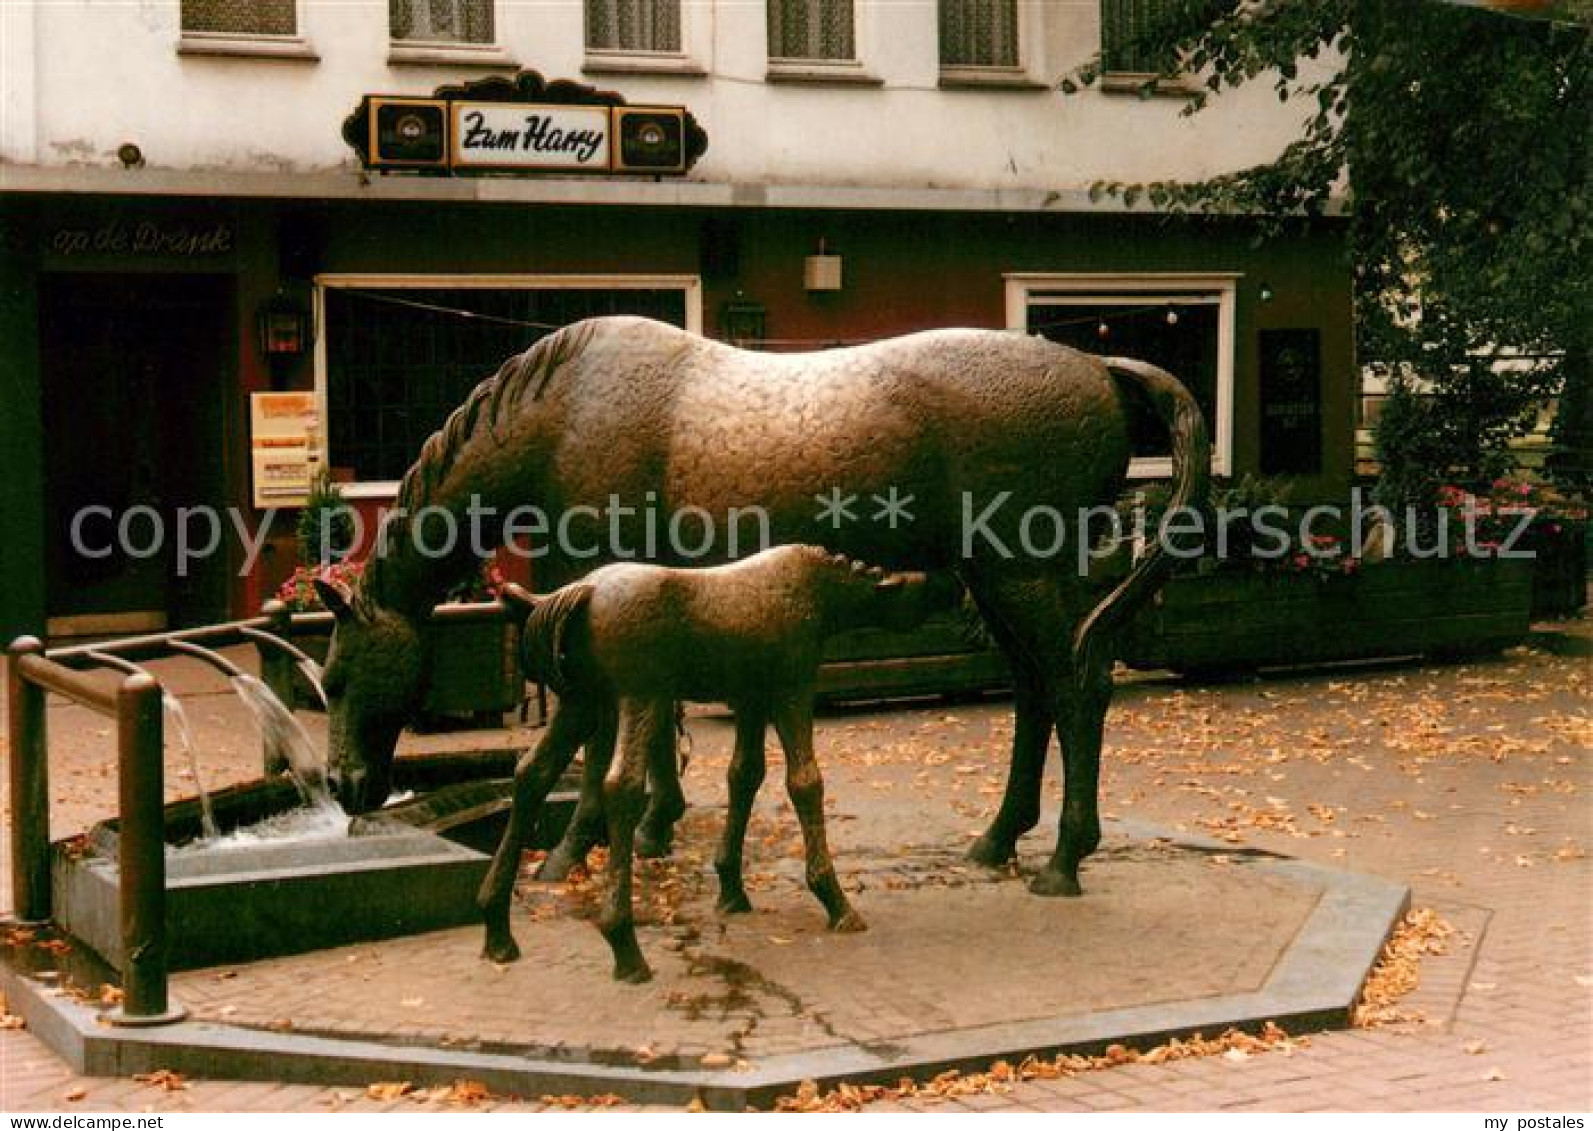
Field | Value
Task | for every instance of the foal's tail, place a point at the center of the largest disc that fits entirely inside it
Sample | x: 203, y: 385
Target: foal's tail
x: 543, y: 641
x: 1191, y: 478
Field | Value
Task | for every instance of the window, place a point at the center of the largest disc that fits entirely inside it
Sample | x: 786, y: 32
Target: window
x: 441, y: 21
x: 398, y: 354
x: 1183, y: 323
x: 978, y: 33
x: 1125, y: 28
x: 240, y: 17
x: 633, y: 25
x: 812, y: 29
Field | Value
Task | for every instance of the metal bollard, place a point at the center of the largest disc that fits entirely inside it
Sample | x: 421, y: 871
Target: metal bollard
x: 30, y: 787
x: 142, y: 854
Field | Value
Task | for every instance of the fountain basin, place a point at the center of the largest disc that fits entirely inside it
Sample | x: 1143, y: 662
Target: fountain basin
x: 241, y: 904
x: 412, y: 868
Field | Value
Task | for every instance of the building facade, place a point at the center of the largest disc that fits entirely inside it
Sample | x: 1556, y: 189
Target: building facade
x: 186, y: 225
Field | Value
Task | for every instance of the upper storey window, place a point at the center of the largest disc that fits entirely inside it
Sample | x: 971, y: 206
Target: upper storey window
x: 241, y: 17
x: 978, y: 33
x: 1128, y: 30
x: 633, y: 26
x: 441, y: 21
x: 812, y: 30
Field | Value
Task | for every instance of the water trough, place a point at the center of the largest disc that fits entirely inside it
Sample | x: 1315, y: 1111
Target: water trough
x: 269, y: 867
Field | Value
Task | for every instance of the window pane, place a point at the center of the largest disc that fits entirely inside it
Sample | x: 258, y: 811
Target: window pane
x: 241, y: 17
x: 441, y: 21
x: 1186, y: 348
x: 633, y: 25
x: 979, y: 33
x: 1123, y: 28
x: 811, y: 29
x: 399, y: 361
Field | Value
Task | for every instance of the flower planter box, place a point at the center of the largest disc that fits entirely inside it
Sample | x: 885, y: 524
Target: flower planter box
x: 475, y: 662
x: 1559, y: 573
x: 1234, y: 620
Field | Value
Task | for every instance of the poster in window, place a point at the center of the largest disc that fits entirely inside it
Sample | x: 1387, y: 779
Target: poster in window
x: 1291, y: 402
x: 284, y: 446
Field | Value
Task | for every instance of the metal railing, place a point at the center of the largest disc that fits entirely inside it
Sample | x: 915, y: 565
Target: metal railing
x: 135, y: 704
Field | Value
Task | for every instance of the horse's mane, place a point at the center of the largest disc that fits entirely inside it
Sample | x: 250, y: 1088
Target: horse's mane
x: 486, y: 405
x: 840, y: 563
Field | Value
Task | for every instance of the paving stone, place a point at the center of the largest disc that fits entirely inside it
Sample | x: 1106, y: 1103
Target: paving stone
x: 1424, y: 767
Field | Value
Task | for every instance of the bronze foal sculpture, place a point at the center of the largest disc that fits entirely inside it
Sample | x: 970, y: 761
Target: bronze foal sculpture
x: 623, y: 647
x: 980, y: 429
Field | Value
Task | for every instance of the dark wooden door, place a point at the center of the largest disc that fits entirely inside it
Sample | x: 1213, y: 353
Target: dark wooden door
x: 134, y: 369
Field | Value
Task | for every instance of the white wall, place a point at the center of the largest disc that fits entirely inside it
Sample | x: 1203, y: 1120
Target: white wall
x: 81, y: 77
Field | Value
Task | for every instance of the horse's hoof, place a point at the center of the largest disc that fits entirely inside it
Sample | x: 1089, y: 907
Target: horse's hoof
x: 1046, y: 882
x: 653, y: 846
x: 734, y: 903
x: 501, y: 951
x: 635, y: 974
x: 991, y: 853
x: 850, y: 923
x: 556, y: 868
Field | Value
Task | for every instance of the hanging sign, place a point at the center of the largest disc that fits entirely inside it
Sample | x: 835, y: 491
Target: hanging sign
x: 524, y: 126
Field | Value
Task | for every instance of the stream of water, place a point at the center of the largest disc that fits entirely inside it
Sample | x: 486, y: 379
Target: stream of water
x: 185, y: 738
x: 282, y: 731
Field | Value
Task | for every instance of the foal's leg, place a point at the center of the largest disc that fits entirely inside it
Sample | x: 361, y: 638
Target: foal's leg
x: 747, y: 768
x: 586, y: 824
x: 645, y: 725
x: 794, y: 723
x: 666, y: 804
x: 534, y: 776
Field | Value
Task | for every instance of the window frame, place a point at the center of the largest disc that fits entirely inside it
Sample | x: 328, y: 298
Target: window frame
x: 688, y: 60
x: 797, y: 70
x: 1172, y: 288
x: 1114, y: 81
x: 1030, y: 30
x: 453, y: 52
x: 248, y: 44
x: 690, y: 285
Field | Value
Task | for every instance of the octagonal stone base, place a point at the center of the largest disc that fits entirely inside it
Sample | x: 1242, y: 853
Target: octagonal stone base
x: 960, y: 967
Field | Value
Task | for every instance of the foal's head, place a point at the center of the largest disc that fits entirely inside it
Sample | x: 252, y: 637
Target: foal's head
x: 850, y: 594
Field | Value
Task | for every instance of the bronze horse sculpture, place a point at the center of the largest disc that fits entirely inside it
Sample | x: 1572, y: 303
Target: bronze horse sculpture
x: 628, y: 643
x: 980, y: 429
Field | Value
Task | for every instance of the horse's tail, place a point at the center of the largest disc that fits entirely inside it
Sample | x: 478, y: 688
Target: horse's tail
x: 544, y: 640
x: 1191, y: 478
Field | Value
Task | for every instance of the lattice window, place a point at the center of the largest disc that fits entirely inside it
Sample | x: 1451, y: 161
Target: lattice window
x: 441, y: 21
x: 811, y: 29
x: 979, y: 33
x: 241, y: 17
x: 633, y: 25
x: 1125, y: 29
x: 400, y: 359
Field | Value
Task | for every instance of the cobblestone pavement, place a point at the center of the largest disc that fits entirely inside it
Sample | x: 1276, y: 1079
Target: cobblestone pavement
x: 1468, y: 782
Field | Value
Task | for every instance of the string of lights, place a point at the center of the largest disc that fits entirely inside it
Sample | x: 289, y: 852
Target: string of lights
x: 1102, y: 322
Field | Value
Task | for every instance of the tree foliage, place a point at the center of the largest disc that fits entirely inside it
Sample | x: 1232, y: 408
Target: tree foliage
x: 1457, y: 140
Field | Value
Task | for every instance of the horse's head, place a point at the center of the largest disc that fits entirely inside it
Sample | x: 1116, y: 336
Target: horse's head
x: 373, y: 682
